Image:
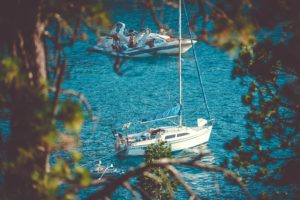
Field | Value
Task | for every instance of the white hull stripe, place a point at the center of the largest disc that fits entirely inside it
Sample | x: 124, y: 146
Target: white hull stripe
x: 153, y: 50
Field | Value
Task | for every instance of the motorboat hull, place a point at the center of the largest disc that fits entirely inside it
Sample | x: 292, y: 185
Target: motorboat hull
x: 164, y: 48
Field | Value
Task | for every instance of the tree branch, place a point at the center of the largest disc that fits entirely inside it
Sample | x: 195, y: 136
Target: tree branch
x: 109, y: 188
x: 81, y: 98
x: 130, y: 188
x: 176, y: 175
x: 149, y: 4
x: 56, y: 90
x: 144, y: 193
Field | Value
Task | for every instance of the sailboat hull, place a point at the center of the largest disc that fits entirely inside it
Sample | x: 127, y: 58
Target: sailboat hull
x: 201, y: 137
x: 178, y: 138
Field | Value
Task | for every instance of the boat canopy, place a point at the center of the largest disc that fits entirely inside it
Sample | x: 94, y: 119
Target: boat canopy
x: 170, y: 113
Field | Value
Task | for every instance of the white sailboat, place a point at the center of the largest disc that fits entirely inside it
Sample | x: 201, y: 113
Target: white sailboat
x: 179, y: 137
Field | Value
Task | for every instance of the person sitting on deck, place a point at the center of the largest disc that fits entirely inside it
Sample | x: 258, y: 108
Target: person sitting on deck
x: 141, y: 38
x: 132, y: 41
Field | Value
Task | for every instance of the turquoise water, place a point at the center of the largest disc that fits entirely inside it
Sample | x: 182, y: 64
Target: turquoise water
x: 148, y: 86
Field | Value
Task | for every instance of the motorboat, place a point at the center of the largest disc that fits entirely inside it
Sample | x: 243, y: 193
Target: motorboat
x: 143, y: 44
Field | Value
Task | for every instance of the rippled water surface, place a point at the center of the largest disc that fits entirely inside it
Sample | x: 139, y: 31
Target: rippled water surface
x: 148, y: 86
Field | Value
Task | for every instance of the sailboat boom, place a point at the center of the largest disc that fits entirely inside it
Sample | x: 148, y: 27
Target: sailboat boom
x: 155, y: 120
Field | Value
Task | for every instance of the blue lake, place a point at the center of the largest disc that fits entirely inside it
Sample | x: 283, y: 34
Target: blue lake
x: 148, y: 86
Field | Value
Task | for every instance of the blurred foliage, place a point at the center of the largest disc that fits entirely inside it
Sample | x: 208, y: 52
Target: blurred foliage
x: 72, y: 115
x: 63, y: 180
x: 33, y: 36
x: 160, y: 184
x: 269, y: 65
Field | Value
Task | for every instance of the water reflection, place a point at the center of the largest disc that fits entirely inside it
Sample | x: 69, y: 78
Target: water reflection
x: 204, y: 151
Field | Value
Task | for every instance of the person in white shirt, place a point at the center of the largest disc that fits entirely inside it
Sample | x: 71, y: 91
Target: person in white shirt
x: 118, y: 34
x: 141, y: 38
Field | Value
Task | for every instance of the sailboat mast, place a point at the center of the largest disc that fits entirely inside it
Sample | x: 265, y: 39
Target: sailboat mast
x: 179, y: 63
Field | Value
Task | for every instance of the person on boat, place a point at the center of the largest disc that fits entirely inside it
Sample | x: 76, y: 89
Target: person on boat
x: 150, y: 43
x: 114, y: 35
x: 132, y: 41
x: 140, y: 35
x: 141, y: 38
x: 118, y: 35
x: 121, y: 142
x: 162, y: 31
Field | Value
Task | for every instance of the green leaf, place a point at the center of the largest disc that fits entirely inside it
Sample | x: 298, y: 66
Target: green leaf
x: 72, y: 115
x: 83, y: 176
x: 9, y: 70
x: 247, y: 99
x: 76, y: 156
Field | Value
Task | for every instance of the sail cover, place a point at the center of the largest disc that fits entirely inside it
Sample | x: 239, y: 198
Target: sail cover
x: 173, y: 112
